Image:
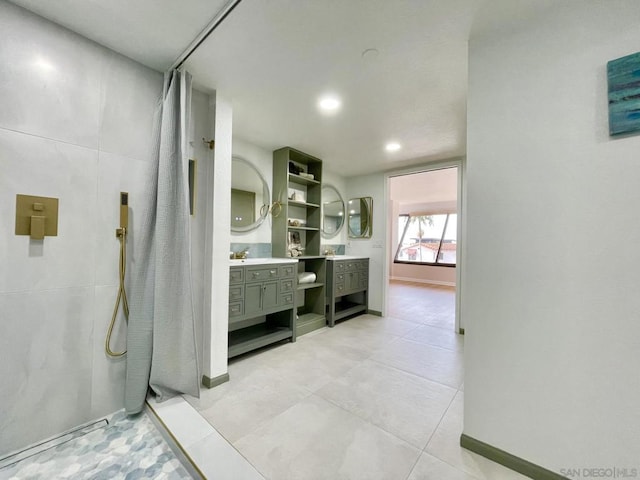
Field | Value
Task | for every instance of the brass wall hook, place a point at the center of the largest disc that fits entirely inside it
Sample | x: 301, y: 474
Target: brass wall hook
x: 211, y: 143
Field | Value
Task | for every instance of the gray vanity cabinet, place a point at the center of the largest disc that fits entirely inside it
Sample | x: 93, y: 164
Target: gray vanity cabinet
x: 348, y: 288
x: 261, y: 304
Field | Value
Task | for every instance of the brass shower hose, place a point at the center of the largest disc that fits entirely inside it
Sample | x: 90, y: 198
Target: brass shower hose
x: 122, y: 293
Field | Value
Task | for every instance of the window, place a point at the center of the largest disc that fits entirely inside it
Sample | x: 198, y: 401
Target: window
x: 427, y: 239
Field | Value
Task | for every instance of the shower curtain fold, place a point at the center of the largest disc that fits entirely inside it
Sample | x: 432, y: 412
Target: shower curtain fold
x: 161, y: 341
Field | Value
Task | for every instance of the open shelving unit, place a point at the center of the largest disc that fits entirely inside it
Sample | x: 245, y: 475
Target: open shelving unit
x: 299, y: 223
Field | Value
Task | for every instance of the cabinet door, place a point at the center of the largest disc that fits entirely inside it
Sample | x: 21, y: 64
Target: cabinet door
x: 269, y: 295
x: 253, y: 299
x: 351, y: 281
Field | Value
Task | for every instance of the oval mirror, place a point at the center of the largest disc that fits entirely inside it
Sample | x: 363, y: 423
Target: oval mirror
x: 360, y: 217
x: 332, y: 211
x: 249, y: 196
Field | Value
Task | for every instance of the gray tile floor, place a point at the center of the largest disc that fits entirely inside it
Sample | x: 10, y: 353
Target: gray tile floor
x: 371, y: 398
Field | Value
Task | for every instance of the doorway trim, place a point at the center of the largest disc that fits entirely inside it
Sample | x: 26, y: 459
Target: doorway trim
x: 461, y: 207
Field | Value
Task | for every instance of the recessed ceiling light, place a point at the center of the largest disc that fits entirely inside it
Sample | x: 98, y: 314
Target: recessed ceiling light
x: 392, y: 147
x: 329, y: 104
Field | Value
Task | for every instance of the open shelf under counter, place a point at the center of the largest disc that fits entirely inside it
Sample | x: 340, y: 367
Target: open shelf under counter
x: 306, y: 286
x: 247, y: 339
x: 309, y: 322
x: 346, y: 308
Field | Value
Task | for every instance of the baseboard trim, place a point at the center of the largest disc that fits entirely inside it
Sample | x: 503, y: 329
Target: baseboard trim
x: 214, y: 382
x: 508, y: 460
x: 374, y: 312
x: 427, y: 282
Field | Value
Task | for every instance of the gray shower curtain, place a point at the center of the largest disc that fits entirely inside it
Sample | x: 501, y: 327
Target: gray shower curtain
x: 161, y: 346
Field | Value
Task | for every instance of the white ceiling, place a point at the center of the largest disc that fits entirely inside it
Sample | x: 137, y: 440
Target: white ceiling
x: 274, y: 58
x: 421, y: 190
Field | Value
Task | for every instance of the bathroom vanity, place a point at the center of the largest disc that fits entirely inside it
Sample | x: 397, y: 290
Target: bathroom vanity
x: 261, y: 303
x: 347, y: 286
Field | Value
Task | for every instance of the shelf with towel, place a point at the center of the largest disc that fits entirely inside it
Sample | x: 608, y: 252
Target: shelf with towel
x: 306, y: 286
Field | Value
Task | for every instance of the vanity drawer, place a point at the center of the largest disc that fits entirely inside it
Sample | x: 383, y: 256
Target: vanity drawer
x: 286, y: 285
x: 338, y: 266
x: 363, y: 265
x: 261, y: 274
x: 236, y: 292
x: 339, y: 277
x: 287, y: 270
x: 236, y: 309
x: 339, y: 289
x: 236, y: 275
x: 287, y: 298
x: 351, y: 265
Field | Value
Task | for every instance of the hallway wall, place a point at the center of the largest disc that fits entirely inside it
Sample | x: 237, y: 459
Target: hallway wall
x: 550, y: 303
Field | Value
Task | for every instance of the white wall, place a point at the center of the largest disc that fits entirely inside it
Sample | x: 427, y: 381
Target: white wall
x: 339, y: 182
x: 551, y: 304
x: 201, y: 128
x: 372, y: 186
x: 263, y: 160
x: 218, y: 240
x: 75, y: 124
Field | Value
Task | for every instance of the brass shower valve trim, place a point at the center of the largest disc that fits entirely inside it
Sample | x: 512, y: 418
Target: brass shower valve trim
x: 36, y: 216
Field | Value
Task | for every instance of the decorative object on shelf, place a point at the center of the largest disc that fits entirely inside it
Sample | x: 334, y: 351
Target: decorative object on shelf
x: 294, y: 247
x: 297, y: 195
x: 307, y: 175
x: 296, y: 222
x: 276, y: 208
x: 329, y: 252
x: 332, y: 211
x: 306, y: 277
x: 624, y: 94
x: 296, y: 168
x: 295, y: 250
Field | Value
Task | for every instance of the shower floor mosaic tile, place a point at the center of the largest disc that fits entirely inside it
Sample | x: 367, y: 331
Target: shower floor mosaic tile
x: 127, y: 448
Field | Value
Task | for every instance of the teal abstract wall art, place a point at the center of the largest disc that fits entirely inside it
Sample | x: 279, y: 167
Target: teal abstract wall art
x: 623, y: 75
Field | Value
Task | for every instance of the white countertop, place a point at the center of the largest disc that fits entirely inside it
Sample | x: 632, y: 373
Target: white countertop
x: 260, y: 261
x: 346, y: 257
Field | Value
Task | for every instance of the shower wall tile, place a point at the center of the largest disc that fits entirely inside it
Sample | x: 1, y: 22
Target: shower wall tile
x: 36, y: 166
x: 46, y: 346
x: 75, y: 123
x: 50, y: 79
x: 130, y: 95
x: 107, y: 381
x: 117, y: 174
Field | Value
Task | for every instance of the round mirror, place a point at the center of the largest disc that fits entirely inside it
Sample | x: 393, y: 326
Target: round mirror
x: 332, y: 211
x: 360, y: 217
x: 250, y: 198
